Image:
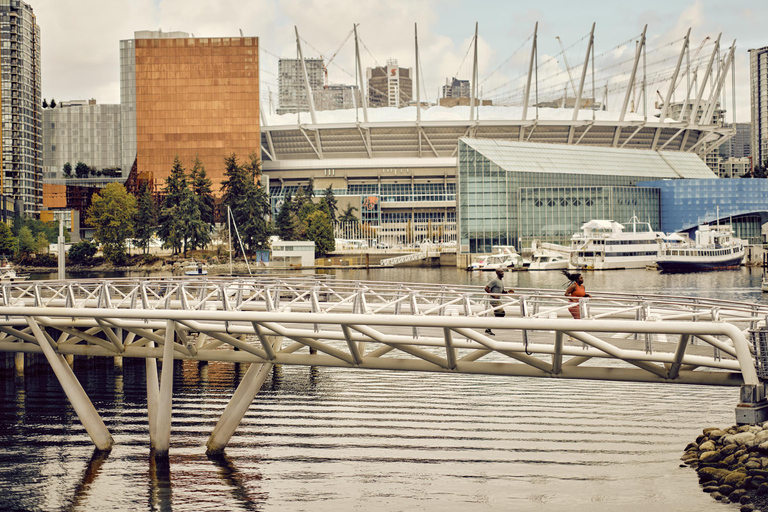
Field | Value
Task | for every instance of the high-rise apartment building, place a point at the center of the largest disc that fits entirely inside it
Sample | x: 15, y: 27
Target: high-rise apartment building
x: 335, y: 97
x: 390, y: 86
x: 758, y: 80
x: 188, y: 97
x: 292, y: 89
x: 81, y: 131
x: 455, y: 88
x: 21, y: 106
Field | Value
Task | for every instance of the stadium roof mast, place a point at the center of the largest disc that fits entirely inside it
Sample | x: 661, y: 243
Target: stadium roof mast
x: 695, y: 109
x: 530, y: 71
x: 363, y: 88
x: 584, y: 74
x: 673, y: 82
x: 630, y: 87
x: 474, y: 81
x: 416, y: 50
x: 715, y: 93
x: 310, y: 98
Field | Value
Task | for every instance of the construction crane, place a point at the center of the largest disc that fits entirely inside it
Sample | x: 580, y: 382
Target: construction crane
x: 326, y: 64
x: 567, y: 67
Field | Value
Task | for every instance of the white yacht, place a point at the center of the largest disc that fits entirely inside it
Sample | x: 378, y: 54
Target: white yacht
x: 546, y: 256
x: 715, y: 248
x: 503, y: 256
x: 608, y: 245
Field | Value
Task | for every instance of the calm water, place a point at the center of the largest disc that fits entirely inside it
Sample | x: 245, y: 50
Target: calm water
x: 329, y: 439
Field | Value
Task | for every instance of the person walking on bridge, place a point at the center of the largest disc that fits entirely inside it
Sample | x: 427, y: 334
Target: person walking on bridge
x: 576, y: 290
x: 495, y: 287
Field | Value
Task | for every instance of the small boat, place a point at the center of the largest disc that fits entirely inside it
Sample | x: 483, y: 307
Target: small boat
x: 504, y: 256
x: 196, y: 269
x: 548, y: 260
x: 9, y: 275
x: 714, y: 248
x: 605, y: 245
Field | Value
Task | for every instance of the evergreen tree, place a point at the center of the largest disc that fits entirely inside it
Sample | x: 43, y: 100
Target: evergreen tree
x: 320, y: 231
x: 146, y: 217
x: 196, y: 233
x: 248, y: 201
x: 349, y: 214
x: 202, y: 188
x: 112, y: 213
x: 171, y: 223
x: 329, y: 200
x: 67, y: 170
x: 81, y: 170
x: 285, y: 220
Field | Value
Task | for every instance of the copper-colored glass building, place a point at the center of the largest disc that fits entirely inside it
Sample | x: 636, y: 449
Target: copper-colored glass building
x: 189, y: 97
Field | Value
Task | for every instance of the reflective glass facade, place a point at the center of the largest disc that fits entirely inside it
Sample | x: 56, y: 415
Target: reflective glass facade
x: 510, y: 193
x: 687, y: 203
x: 22, y: 136
x: 192, y: 97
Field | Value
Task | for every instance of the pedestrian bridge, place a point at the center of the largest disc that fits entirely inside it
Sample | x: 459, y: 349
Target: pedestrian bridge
x: 316, y: 321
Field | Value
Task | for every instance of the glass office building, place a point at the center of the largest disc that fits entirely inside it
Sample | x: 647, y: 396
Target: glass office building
x: 685, y: 204
x: 510, y: 193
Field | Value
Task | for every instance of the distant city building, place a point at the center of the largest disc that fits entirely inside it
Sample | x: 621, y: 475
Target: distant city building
x: 187, y: 97
x: 758, y: 79
x: 292, y: 88
x: 22, y: 138
x: 735, y: 167
x: 336, y: 97
x: 455, y: 88
x: 739, y: 145
x: 390, y: 86
x: 81, y: 131
x: 675, y: 109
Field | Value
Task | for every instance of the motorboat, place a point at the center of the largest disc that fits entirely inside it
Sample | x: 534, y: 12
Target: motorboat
x: 548, y: 260
x: 715, y: 248
x: 196, y: 269
x: 548, y: 256
x: 607, y: 245
x: 503, y: 256
x: 8, y: 275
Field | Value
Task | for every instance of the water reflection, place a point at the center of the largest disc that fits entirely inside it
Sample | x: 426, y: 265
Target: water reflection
x: 159, y: 483
x: 234, y: 480
x: 82, y: 492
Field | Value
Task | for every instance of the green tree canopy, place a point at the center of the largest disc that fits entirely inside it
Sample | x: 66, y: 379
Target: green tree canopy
x: 67, y: 170
x: 320, y: 231
x: 26, y: 241
x: 248, y: 201
x: 329, y: 200
x: 349, y: 214
x: 146, y: 218
x: 202, y: 188
x: 112, y: 213
x: 7, y: 240
x: 82, y: 252
x: 171, y: 224
x: 82, y: 170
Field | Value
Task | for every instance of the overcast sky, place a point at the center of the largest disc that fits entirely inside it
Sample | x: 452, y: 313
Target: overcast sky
x: 80, y: 38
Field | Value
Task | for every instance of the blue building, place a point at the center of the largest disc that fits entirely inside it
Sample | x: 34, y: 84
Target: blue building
x: 687, y: 203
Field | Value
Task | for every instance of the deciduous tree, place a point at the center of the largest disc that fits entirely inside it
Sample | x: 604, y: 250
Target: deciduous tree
x: 112, y: 213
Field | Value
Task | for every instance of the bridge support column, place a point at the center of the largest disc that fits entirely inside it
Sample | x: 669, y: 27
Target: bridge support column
x: 753, y: 406
x: 236, y: 408
x: 77, y: 396
x: 153, y: 396
x: 163, y: 428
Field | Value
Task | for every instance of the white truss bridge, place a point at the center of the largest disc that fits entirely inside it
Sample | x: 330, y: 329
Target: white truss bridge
x: 269, y: 319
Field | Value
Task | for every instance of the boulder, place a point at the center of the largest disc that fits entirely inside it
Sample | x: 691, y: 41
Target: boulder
x: 707, y: 446
x: 726, y: 490
x: 763, y: 447
x: 753, y: 464
x: 745, y: 499
x: 763, y: 489
x: 710, y: 474
x: 736, y: 495
x: 735, y: 479
x: 748, y: 507
x: 714, y: 433
x: 712, y: 456
x: 710, y: 488
x: 729, y: 449
x: 729, y: 459
x: 761, y: 436
x: 741, y: 439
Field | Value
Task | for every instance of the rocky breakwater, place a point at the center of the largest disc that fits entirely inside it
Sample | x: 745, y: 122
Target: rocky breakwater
x: 732, y: 464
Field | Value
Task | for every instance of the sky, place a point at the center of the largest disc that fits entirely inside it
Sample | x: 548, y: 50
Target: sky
x: 80, y: 38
